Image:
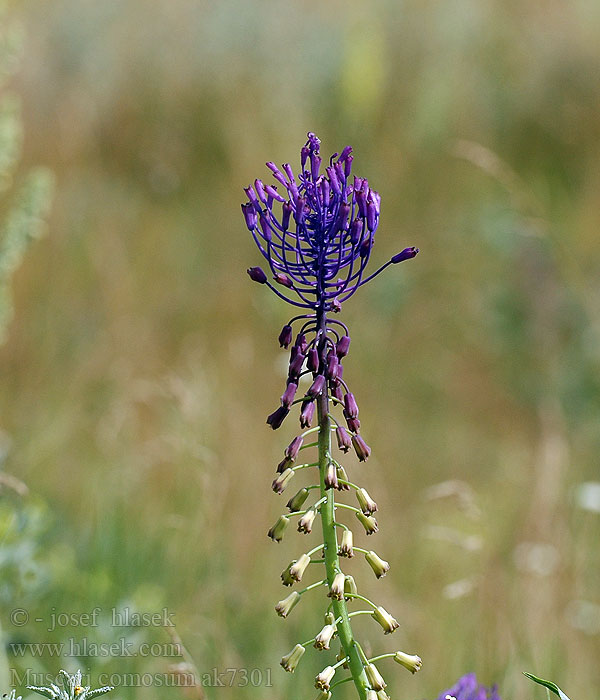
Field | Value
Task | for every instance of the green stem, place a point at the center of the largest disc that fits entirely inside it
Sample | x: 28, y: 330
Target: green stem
x: 332, y: 564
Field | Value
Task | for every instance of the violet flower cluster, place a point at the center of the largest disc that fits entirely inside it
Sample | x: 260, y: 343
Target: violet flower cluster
x: 467, y: 688
x: 316, y: 231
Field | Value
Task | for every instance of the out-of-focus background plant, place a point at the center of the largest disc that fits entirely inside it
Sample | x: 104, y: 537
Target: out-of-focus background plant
x: 134, y: 373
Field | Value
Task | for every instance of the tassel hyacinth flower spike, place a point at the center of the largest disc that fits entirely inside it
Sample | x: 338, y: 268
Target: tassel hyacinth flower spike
x: 316, y: 231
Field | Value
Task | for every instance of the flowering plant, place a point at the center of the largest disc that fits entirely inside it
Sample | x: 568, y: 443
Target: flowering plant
x: 317, y: 250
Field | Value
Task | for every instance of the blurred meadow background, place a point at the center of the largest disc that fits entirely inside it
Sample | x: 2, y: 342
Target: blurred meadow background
x: 141, y: 362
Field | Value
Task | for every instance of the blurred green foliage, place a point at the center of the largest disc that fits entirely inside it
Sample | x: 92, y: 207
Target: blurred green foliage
x: 141, y: 364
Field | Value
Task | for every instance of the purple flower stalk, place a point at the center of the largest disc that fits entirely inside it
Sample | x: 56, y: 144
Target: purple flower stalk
x: 316, y: 231
x: 467, y: 688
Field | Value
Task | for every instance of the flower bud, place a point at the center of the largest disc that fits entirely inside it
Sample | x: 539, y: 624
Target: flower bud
x: 329, y: 618
x: 283, y: 279
x: 345, y: 548
x: 371, y: 216
x: 276, y: 532
x: 382, y: 616
x: 345, y: 153
x: 344, y: 440
x: 316, y: 387
x: 298, y: 568
x: 291, y: 451
x: 336, y: 389
x: 350, y: 588
x: 337, y: 587
x: 342, y: 346
x: 375, y: 679
x: 315, y: 164
x: 348, y: 166
x: 324, y: 695
x: 258, y: 186
x: 249, y: 213
x: 323, y: 679
x: 332, y: 367
x: 312, y: 361
x: 331, y: 481
x: 286, y: 211
x: 363, y: 451
x: 277, y: 417
x: 271, y: 190
x: 276, y: 173
x: 356, y: 231
x: 350, y: 406
x: 306, y: 521
x: 382, y: 695
x: 324, y: 637
x: 301, y: 343
x: 379, y: 565
x: 307, y: 413
x: 406, y: 254
x: 285, y: 606
x: 290, y: 661
x: 410, y: 661
x: 280, y: 483
x: 342, y: 479
x: 286, y: 577
x: 366, y: 503
x: 296, y: 363
x: 284, y: 464
x: 252, y: 196
x: 257, y: 275
x: 285, y: 337
x: 266, y: 229
x: 368, y: 522
x: 289, y: 394
x: 353, y: 424
x: 297, y: 500
x: 371, y: 694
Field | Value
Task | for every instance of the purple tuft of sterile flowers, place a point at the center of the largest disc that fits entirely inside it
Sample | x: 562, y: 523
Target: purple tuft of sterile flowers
x: 316, y: 230
x: 467, y: 688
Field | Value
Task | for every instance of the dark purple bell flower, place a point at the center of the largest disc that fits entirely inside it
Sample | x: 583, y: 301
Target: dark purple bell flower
x: 288, y: 394
x: 313, y: 360
x: 301, y: 343
x: 296, y: 364
x: 257, y: 275
x: 336, y: 390
x: 285, y: 463
x: 353, y: 424
x: 363, y: 451
x: 332, y: 366
x: 406, y: 254
x: 350, y: 406
x: 316, y: 387
x: 293, y: 448
x: 307, y: 413
x: 344, y: 440
x: 277, y: 417
x: 467, y: 688
x: 283, y: 279
x: 285, y: 337
x: 342, y: 346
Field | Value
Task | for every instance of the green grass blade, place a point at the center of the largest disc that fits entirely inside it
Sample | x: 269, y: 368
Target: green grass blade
x: 547, y: 684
